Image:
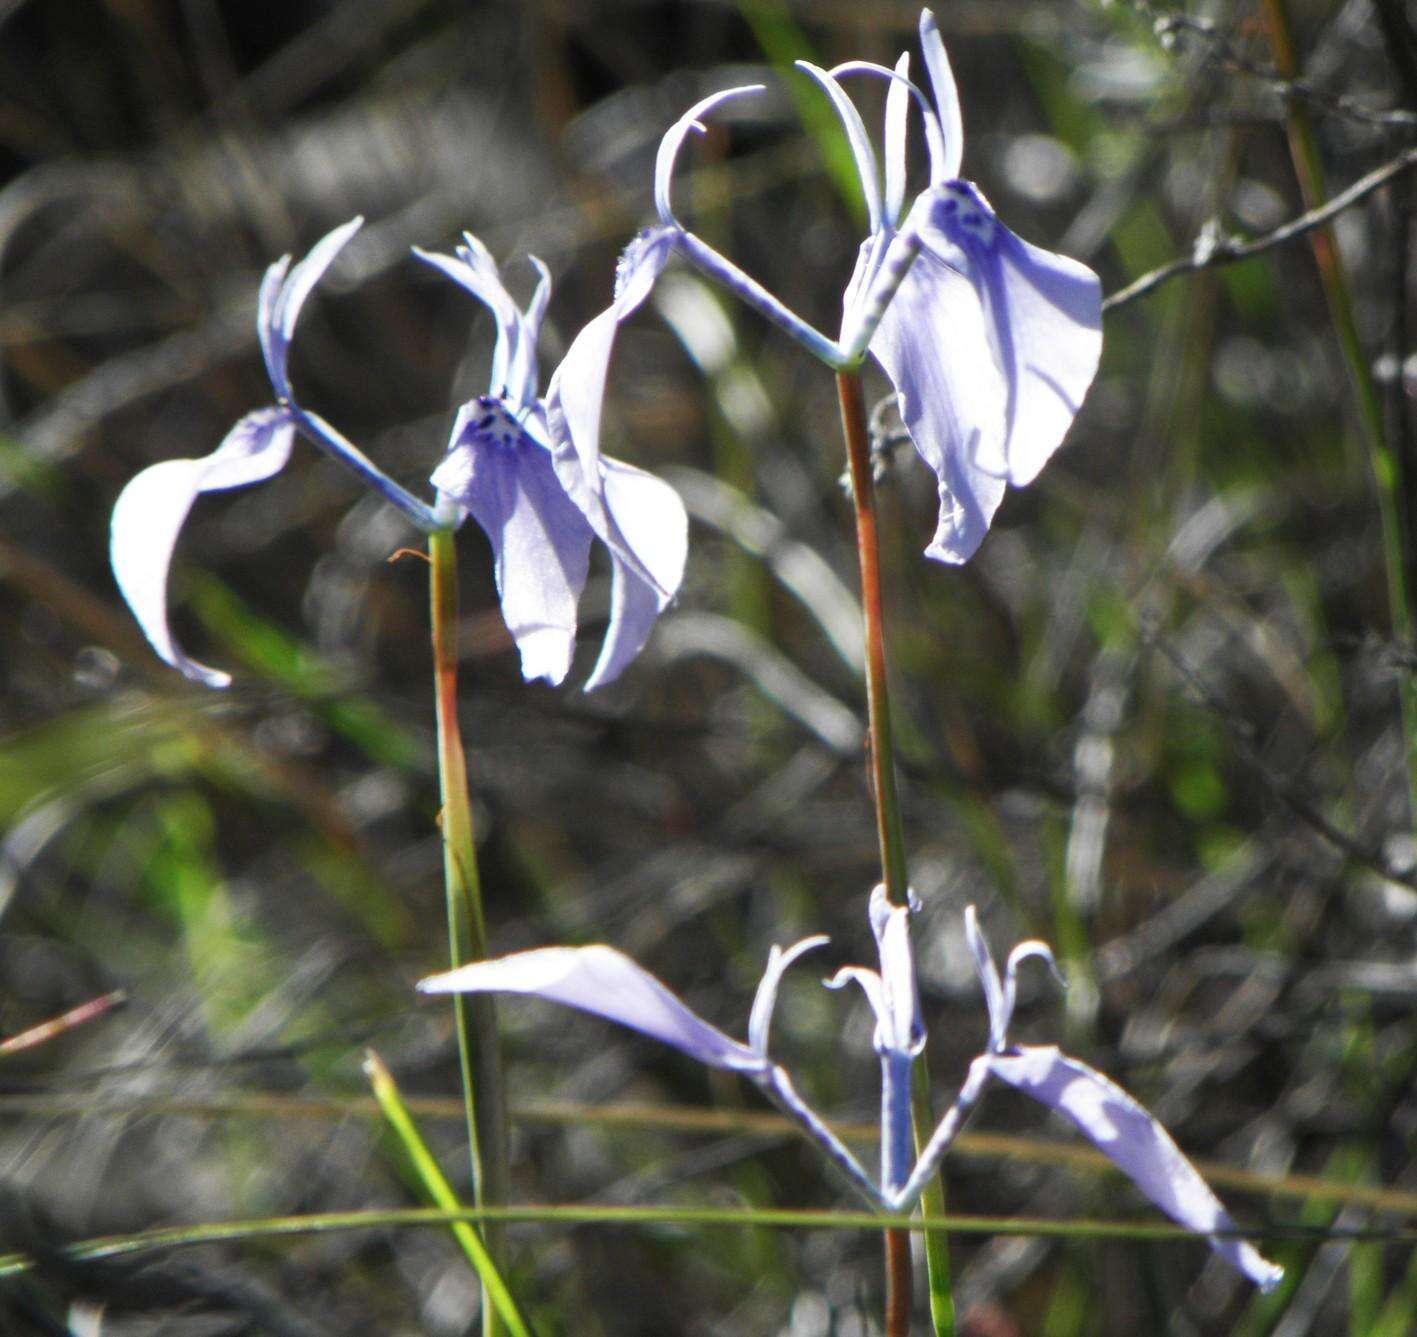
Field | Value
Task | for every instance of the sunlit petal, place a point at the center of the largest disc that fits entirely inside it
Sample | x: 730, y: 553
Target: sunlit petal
x: 601, y: 980
x: 932, y: 344
x: 540, y: 541
x: 150, y: 511
x: 1135, y: 1142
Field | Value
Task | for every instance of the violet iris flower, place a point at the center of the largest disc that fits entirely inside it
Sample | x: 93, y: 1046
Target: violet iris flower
x: 530, y: 472
x: 989, y: 342
x: 604, y: 981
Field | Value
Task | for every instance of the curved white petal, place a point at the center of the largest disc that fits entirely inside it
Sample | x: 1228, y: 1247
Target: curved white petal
x: 856, y: 136
x: 1033, y: 947
x: 576, y: 394
x: 673, y: 140
x: 934, y: 142
x: 765, y: 1000
x: 474, y: 269
x: 870, y: 983
x: 932, y: 344
x: 149, y: 513
x: 897, y: 112
x: 646, y: 529
x: 1135, y: 1142
x: 998, y: 1003
x: 601, y: 980
x: 280, y: 308
x: 946, y: 100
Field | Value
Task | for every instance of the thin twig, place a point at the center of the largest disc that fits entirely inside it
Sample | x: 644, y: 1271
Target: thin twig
x: 1168, y: 27
x: 1211, y: 253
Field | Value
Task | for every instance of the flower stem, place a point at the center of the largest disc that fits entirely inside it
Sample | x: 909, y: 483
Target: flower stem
x: 882, y: 758
x: 897, y: 1283
x: 476, y: 1021
x: 892, y: 842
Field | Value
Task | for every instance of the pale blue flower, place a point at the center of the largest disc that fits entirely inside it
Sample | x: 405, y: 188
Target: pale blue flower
x: 602, y: 980
x: 989, y: 342
x: 529, y: 471
x: 1105, y: 1114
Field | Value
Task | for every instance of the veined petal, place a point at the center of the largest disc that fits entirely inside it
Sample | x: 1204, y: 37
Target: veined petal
x: 646, y: 529
x: 149, y: 513
x: 673, y: 140
x: 540, y: 540
x: 1043, y: 319
x: 942, y: 80
x: 1135, y: 1142
x: 856, y: 136
x: 999, y: 1004
x: 601, y: 980
x: 765, y: 1000
x: 280, y: 306
x: 932, y: 344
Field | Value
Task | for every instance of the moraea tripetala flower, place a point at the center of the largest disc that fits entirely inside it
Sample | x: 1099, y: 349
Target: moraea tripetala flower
x: 602, y: 980
x: 530, y: 472
x: 989, y: 342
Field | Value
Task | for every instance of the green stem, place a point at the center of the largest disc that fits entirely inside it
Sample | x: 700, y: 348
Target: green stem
x: 436, y: 1185
x: 891, y: 838
x: 479, y: 1055
x: 1387, y: 469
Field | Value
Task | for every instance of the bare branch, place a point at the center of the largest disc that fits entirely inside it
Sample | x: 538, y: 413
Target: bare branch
x: 1210, y: 253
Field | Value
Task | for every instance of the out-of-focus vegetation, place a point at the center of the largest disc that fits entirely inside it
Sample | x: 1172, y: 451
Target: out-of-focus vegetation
x: 1156, y: 721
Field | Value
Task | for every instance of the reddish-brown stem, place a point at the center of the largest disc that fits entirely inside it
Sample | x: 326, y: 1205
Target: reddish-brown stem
x: 897, y: 1283
x: 882, y: 758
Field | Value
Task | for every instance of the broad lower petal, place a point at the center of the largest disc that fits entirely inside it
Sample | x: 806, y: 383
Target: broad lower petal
x: 540, y: 540
x: 601, y: 980
x: 932, y: 344
x: 150, y: 511
x: 1043, y: 320
x: 645, y: 526
x: 1135, y: 1142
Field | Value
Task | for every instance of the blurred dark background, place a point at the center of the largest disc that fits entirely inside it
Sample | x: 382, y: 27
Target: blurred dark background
x: 1155, y: 721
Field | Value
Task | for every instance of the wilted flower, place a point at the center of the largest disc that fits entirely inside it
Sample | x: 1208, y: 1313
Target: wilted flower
x: 602, y: 980
x: 529, y: 471
x: 989, y: 342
